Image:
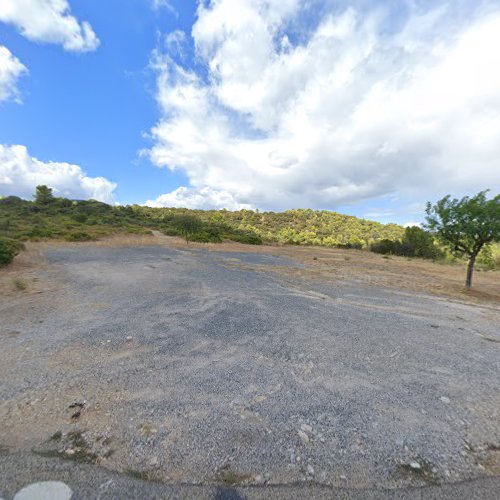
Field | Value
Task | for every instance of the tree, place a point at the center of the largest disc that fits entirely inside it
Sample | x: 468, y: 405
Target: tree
x: 43, y: 195
x: 186, y: 224
x: 465, y: 225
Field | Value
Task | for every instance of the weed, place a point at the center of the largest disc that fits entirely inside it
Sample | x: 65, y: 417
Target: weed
x: 56, y: 436
x: 20, y: 284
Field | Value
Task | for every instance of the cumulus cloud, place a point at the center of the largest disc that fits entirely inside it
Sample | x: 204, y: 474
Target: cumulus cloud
x: 279, y: 114
x: 202, y: 198
x: 49, y: 21
x: 11, y: 69
x: 20, y: 173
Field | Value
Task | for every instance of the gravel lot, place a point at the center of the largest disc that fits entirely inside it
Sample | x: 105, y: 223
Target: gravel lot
x: 201, y: 367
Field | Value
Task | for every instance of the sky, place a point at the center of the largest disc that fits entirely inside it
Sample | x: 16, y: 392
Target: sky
x: 370, y: 108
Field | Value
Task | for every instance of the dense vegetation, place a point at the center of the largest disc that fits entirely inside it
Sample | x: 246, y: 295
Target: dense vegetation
x: 48, y: 217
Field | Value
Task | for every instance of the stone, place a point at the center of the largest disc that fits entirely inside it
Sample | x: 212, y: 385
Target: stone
x: 303, y: 436
x: 415, y: 465
x: 306, y: 428
x: 310, y: 470
x: 445, y: 400
x: 46, y: 490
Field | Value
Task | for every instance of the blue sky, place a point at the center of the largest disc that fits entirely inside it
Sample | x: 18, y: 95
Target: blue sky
x: 92, y: 109
x: 368, y: 108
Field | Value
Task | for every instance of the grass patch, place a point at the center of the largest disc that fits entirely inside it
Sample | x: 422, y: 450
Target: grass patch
x: 56, y: 436
x: 75, y: 448
x: 20, y: 284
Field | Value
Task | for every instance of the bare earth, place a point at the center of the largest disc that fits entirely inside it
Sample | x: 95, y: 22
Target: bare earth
x: 237, y: 365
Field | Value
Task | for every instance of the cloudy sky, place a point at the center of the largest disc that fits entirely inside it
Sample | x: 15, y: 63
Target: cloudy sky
x: 365, y: 107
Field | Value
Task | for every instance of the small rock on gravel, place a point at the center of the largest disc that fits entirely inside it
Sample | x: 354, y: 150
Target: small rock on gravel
x: 303, y: 436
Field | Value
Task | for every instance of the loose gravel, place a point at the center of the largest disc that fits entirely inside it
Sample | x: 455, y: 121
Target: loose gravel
x: 196, y: 367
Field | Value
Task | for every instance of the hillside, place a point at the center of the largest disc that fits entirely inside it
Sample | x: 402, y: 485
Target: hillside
x: 72, y: 220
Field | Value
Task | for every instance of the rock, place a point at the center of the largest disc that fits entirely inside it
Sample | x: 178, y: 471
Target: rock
x: 129, y: 339
x: 306, y: 428
x: 46, y: 490
x: 310, y: 470
x: 259, y: 479
x: 343, y: 478
x: 445, y: 400
x: 415, y: 465
x: 303, y: 437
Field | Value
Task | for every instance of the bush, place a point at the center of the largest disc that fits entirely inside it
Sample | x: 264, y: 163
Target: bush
x: 205, y: 237
x: 356, y: 245
x: 79, y: 236
x: 415, y: 243
x: 82, y: 218
x: 489, y: 257
x: 9, y: 248
x: 384, y: 247
x: 244, y: 237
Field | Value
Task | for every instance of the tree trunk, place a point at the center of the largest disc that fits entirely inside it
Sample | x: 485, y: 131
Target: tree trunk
x: 470, y: 270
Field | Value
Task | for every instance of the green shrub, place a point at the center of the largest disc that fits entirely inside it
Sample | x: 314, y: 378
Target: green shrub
x: 384, y: 247
x: 79, y: 236
x: 39, y: 232
x: 82, y: 218
x: 244, y: 237
x: 170, y: 231
x: 9, y: 248
x: 205, y: 237
x: 489, y: 257
x: 415, y: 243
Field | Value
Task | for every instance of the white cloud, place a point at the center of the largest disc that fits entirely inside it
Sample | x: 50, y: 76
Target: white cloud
x: 175, y: 41
x: 11, y: 69
x: 203, y: 198
x: 351, y: 112
x: 166, y: 4
x: 49, y: 21
x: 20, y: 173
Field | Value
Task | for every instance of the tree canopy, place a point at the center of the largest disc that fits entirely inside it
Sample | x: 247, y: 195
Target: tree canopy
x: 43, y: 195
x: 466, y: 225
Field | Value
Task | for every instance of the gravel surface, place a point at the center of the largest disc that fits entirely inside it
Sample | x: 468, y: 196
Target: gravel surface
x: 206, y: 368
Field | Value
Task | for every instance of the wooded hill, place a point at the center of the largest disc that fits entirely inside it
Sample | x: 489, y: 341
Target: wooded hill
x: 86, y: 220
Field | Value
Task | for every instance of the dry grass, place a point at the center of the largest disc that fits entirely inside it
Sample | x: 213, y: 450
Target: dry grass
x: 362, y: 267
